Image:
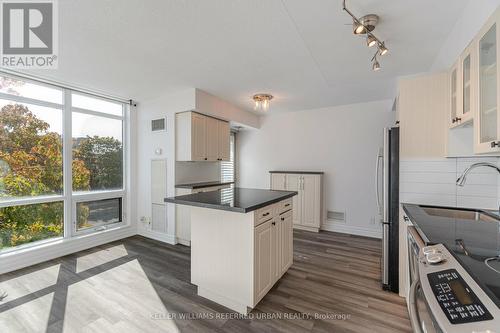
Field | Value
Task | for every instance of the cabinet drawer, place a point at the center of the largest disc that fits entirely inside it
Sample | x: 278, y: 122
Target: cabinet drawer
x: 265, y: 213
x: 284, y: 205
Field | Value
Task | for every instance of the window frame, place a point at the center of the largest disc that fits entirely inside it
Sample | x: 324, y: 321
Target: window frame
x: 232, y: 134
x: 68, y: 197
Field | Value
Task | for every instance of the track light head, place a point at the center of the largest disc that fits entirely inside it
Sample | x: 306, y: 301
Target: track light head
x: 376, y: 65
x: 358, y: 28
x: 371, y: 40
x: 382, y: 49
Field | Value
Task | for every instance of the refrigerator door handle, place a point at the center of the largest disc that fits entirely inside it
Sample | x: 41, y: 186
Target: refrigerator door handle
x: 377, y: 182
x: 385, y: 212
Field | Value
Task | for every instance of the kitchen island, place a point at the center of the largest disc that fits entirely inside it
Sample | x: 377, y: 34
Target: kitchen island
x: 241, y: 243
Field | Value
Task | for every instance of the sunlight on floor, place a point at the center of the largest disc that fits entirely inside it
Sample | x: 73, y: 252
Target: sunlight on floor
x: 91, y: 306
x: 32, y: 316
x: 25, y: 284
x: 101, y: 257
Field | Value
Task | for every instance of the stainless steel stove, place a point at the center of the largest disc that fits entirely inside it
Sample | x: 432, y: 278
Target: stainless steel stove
x: 454, y: 270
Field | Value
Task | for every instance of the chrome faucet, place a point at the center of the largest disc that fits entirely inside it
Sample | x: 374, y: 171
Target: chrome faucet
x: 463, y: 178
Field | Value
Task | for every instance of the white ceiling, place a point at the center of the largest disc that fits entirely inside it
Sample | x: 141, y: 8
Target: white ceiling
x: 300, y: 51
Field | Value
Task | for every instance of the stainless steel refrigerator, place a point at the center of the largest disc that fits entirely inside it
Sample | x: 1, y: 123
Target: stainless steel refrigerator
x: 387, y: 190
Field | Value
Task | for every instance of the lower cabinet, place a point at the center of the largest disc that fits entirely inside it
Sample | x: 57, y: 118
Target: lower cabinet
x: 273, y: 250
x: 308, y: 208
x: 183, y: 214
x: 236, y: 258
x: 264, y: 245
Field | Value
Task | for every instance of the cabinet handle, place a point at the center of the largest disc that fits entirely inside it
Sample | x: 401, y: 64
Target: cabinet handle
x: 287, y: 205
x: 273, y: 223
x: 282, y: 219
x: 206, y: 158
x: 454, y: 120
x: 265, y: 214
x: 459, y: 119
x: 495, y: 144
x: 406, y: 218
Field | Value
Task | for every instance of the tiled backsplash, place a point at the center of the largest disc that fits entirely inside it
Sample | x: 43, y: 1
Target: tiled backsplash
x: 433, y: 182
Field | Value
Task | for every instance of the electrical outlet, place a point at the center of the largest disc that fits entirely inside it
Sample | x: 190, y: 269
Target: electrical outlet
x: 145, y: 219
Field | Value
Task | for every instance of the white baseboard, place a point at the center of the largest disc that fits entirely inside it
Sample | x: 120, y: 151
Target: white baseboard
x: 36, y: 254
x: 159, y: 236
x: 344, y: 228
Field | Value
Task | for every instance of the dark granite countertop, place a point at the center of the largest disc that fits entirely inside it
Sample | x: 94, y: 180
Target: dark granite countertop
x: 302, y: 172
x: 469, y: 240
x: 241, y: 200
x: 202, y: 184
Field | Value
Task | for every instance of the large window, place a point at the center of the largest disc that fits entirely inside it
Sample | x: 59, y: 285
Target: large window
x: 62, y: 169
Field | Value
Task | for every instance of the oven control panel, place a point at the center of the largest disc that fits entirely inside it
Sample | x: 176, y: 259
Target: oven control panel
x: 456, y: 299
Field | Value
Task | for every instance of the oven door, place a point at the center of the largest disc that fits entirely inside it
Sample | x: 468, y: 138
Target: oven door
x: 415, y: 244
x: 421, y: 318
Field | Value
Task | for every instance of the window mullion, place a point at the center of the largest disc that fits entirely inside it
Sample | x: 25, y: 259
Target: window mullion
x: 67, y: 166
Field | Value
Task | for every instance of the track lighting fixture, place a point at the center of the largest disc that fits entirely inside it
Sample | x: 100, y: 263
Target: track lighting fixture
x: 376, y: 64
x: 358, y: 28
x: 382, y: 49
x: 371, y: 41
x: 365, y: 25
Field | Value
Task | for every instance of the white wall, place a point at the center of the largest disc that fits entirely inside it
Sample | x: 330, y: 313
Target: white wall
x: 148, y: 143
x: 341, y: 141
x: 467, y: 26
x: 177, y: 172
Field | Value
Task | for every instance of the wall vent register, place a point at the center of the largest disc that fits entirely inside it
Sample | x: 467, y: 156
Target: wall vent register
x: 456, y: 299
x: 158, y: 125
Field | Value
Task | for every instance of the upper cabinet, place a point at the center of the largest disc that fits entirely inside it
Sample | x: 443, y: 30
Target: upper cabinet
x: 462, y: 81
x: 201, y: 138
x: 486, y: 128
x: 453, y: 96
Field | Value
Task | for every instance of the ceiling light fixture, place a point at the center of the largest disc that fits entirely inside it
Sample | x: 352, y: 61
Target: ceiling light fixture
x: 262, y: 101
x: 371, y: 41
x: 365, y: 25
x: 375, y: 64
x: 382, y: 50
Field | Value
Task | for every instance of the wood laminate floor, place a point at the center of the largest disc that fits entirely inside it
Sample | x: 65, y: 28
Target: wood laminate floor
x: 141, y: 285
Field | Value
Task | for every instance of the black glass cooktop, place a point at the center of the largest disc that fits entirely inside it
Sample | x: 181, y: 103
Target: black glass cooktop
x: 473, y: 237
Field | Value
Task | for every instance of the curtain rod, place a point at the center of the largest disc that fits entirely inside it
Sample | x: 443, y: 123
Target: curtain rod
x: 67, y: 86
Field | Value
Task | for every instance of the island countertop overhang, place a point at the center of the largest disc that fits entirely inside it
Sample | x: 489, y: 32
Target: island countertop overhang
x: 241, y: 200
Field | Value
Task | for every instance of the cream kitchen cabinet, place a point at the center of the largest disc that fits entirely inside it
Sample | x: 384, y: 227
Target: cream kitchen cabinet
x: 308, y: 204
x: 463, y: 82
x: 201, y: 138
x: 183, y: 213
x: 238, y: 256
x: 223, y: 140
x: 486, y: 128
x: 454, y: 86
x: 273, y: 247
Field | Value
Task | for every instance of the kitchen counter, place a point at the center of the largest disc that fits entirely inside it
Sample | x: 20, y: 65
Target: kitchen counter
x: 299, y: 172
x: 241, y: 243
x: 241, y: 200
x: 197, y: 185
x: 469, y: 240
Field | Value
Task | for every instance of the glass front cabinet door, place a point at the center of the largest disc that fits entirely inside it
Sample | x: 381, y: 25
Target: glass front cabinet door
x: 486, y: 126
x: 463, y: 76
x: 453, y: 81
x: 468, y: 79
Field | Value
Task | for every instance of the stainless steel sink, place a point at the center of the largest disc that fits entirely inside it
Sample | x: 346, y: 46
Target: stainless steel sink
x: 462, y: 214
